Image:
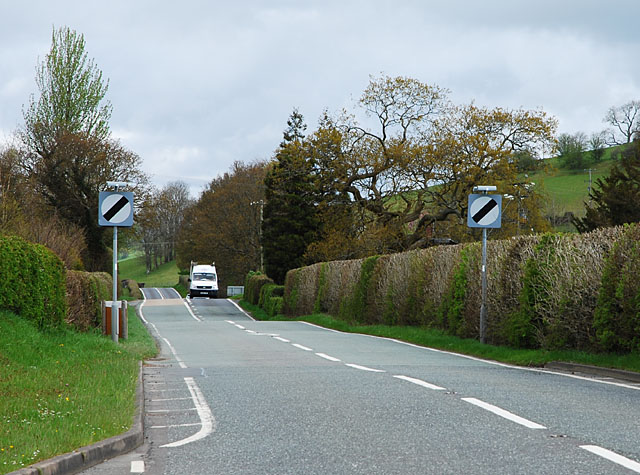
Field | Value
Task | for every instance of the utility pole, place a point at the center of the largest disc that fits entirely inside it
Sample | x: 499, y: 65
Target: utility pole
x: 261, y: 204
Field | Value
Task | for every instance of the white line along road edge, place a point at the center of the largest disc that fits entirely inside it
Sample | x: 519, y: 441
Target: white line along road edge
x: 205, y: 414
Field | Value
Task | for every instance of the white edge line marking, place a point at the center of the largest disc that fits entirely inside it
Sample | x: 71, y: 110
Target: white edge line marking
x: 239, y: 326
x: 327, y: 357
x: 241, y: 309
x: 420, y: 382
x: 364, y: 368
x: 191, y: 424
x: 206, y: 417
x: 502, y: 413
x: 173, y: 350
x: 191, y: 311
x: 281, y: 339
x: 137, y: 466
x: 473, y: 358
x: 301, y: 347
x: 613, y: 457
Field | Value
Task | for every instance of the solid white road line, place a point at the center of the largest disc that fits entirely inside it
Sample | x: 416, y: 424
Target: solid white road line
x: 175, y: 354
x: 137, y: 466
x: 327, y: 357
x: 302, y: 347
x: 175, y: 425
x: 613, y: 457
x: 205, y: 414
x: 171, y: 399
x: 191, y: 311
x: 241, y: 309
x: 420, y: 382
x: 495, y: 363
x: 364, y: 368
x: 502, y: 413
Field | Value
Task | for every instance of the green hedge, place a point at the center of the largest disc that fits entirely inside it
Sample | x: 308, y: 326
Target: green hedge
x: 32, y: 282
x: 271, y: 299
x: 546, y: 291
x: 252, y: 286
x: 85, y: 292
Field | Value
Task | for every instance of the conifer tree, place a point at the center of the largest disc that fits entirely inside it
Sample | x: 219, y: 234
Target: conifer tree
x: 615, y: 199
x: 289, y: 223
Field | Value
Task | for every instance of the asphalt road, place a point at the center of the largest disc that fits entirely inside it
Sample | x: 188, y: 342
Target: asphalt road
x: 230, y: 395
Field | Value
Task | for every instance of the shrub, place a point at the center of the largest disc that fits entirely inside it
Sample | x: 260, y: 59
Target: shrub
x: 85, y: 292
x: 252, y: 286
x: 271, y: 299
x: 617, y: 313
x: 32, y: 282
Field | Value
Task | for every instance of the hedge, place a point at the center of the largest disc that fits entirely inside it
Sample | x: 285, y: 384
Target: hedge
x: 32, y: 282
x: 271, y: 299
x: 85, y: 292
x: 252, y: 286
x: 577, y: 291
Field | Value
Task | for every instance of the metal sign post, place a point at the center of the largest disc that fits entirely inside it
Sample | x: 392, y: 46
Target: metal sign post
x: 115, y: 209
x: 484, y: 211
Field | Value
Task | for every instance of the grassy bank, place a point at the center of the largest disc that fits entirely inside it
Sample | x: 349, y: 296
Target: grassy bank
x: 135, y: 268
x: 62, y: 390
x: 434, y: 338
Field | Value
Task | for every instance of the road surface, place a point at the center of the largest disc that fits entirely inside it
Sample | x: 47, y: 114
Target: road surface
x: 230, y: 395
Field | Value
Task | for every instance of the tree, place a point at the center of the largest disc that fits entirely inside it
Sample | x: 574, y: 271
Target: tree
x: 625, y: 120
x: 571, y: 150
x: 223, y: 225
x: 289, y: 223
x: 71, y: 99
x: 597, y: 144
x: 172, y: 201
x: 418, y: 168
x: 69, y: 155
x: 615, y: 199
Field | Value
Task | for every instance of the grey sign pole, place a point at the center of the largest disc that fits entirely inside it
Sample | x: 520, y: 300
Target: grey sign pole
x: 115, y: 314
x: 115, y: 209
x: 483, y: 306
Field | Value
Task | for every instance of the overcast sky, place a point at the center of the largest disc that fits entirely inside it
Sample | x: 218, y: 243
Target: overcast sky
x: 196, y: 85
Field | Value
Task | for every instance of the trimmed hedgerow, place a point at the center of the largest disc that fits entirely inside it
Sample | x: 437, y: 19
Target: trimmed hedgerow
x: 617, y: 313
x: 550, y: 291
x: 271, y: 299
x: 85, y: 292
x: 252, y: 286
x: 32, y: 282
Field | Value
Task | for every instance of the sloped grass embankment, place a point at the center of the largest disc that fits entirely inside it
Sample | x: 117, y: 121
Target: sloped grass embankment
x: 61, y: 389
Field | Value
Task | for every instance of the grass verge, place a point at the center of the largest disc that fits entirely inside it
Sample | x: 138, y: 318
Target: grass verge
x: 62, y: 390
x: 135, y: 268
x: 438, y: 339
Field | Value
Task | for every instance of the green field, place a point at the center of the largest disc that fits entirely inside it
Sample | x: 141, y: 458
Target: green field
x: 134, y: 268
x: 568, y: 190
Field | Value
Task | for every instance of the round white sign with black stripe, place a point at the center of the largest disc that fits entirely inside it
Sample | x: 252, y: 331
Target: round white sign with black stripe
x: 116, y: 209
x: 484, y: 211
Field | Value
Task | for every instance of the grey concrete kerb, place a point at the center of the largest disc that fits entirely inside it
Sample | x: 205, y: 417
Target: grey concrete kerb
x: 630, y: 376
x: 85, y: 457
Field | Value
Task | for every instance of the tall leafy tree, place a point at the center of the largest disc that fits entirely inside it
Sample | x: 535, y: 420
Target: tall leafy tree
x: 615, y: 199
x: 223, y: 225
x: 411, y: 173
x: 290, y: 222
x: 69, y: 154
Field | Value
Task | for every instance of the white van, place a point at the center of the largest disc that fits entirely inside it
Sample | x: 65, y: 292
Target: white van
x: 203, y: 281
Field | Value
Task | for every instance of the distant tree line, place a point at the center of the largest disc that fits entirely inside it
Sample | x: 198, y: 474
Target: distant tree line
x: 399, y: 180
